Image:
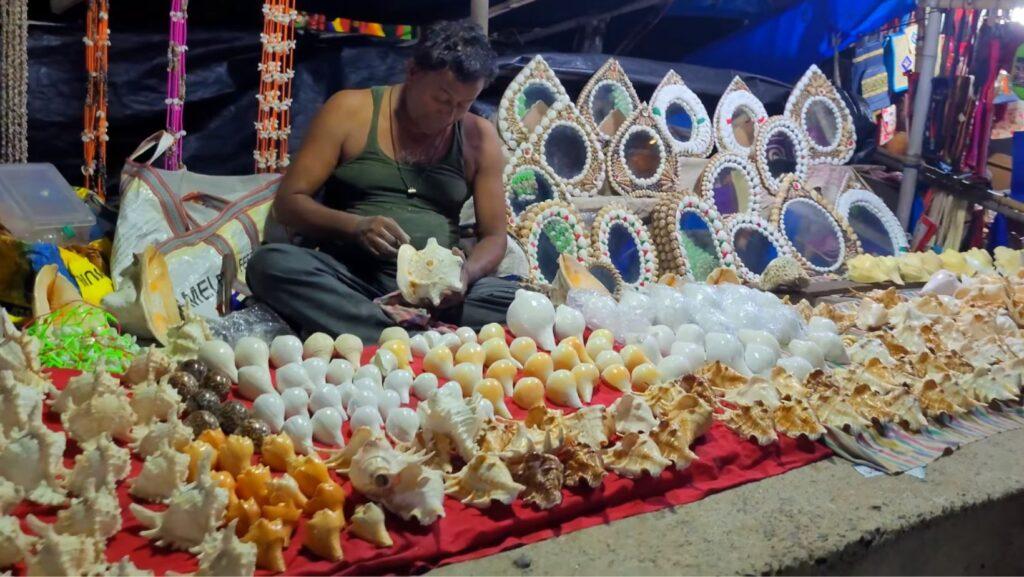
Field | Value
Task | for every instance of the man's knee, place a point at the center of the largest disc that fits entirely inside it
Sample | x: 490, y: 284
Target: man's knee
x: 273, y: 261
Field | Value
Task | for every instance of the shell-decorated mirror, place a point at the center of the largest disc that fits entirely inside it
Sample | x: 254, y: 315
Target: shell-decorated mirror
x: 690, y: 236
x: 620, y: 238
x: 756, y: 243
x: 607, y: 275
x: 737, y: 113
x: 876, y: 227
x: 550, y: 229
x: 527, y: 100
x: 731, y: 183
x: 824, y: 119
x: 528, y: 182
x: 566, y: 146
x: 821, y: 239
x: 683, y: 117
x: 779, y: 150
x: 640, y: 159
x: 608, y: 99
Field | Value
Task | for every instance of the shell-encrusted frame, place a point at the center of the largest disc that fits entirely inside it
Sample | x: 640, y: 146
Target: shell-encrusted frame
x: 762, y: 135
x: 616, y: 214
x: 814, y: 86
x: 668, y: 238
x: 794, y: 191
x: 531, y: 226
x: 620, y: 284
x: 622, y: 178
x: 737, y: 222
x: 610, y: 72
x: 525, y: 157
x: 718, y: 163
x: 735, y: 96
x: 869, y: 200
x: 510, y: 125
x: 590, y: 180
x: 673, y: 90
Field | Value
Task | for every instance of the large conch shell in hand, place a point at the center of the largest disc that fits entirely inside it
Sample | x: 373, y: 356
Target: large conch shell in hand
x: 484, y: 479
x: 144, y: 303
x: 425, y: 275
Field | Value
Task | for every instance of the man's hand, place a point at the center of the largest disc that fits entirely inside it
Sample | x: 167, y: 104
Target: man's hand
x: 453, y: 298
x: 380, y: 236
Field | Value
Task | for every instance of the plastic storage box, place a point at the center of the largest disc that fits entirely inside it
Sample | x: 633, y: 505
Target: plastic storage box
x: 37, y: 204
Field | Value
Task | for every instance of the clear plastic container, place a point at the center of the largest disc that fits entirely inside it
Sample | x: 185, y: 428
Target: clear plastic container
x: 37, y: 204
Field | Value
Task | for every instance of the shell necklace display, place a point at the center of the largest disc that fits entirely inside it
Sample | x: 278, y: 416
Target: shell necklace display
x: 392, y: 115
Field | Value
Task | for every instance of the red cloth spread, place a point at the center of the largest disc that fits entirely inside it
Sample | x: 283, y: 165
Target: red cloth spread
x: 466, y: 533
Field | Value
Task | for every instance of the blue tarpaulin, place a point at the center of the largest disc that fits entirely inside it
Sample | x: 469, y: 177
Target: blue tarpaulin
x: 783, y: 45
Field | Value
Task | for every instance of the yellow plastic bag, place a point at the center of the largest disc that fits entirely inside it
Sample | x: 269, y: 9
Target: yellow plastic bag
x: 92, y: 281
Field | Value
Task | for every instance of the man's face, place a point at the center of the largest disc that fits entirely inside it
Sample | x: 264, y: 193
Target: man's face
x: 437, y: 100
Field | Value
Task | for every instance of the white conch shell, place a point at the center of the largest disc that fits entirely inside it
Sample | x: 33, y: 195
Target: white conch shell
x: 376, y: 464
x: 727, y: 349
x: 57, y: 554
x: 223, y: 553
x: 319, y: 345
x: 350, y: 348
x: 424, y: 385
x: 809, y: 351
x: 109, y: 413
x: 149, y: 365
x: 632, y: 415
x: 94, y: 514
x: 13, y: 543
x: 419, y: 345
x: 634, y: 455
x: 10, y: 496
x: 192, y: 512
x: 327, y: 423
x: 285, y: 349
x: 163, y: 473
x: 253, y: 381
x: 83, y: 387
x: 402, y: 424
x: 398, y: 480
x: 102, y: 462
x: 125, y: 568
x: 871, y: 315
x: 19, y: 352
x: 424, y: 276
x: 484, y: 479
x: 300, y: 430
x: 942, y: 282
x: 339, y: 371
x: 831, y: 345
x: 569, y: 322
x: 757, y: 390
x: 220, y: 357
x: 532, y: 315
x: 400, y: 381
x: 269, y: 408
x: 155, y: 401
x: 759, y: 358
x: 172, y: 432
x: 19, y: 404
x: 184, y: 340
x: 253, y: 352
x: 33, y: 461
x: 796, y: 366
x: 447, y: 414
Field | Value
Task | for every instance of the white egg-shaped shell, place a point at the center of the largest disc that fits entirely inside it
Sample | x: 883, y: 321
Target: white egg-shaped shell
x: 296, y: 402
x: 327, y: 424
x: 450, y: 340
x: 349, y: 347
x: 393, y: 334
x: 402, y: 424
x: 300, y: 430
x: 809, y: 351
x: 532, y: 315
x: 750, y: 336
x: 822, y: 325
x: 388, y: 400
x: 796, y: 366
x: 569, y: 322
x: 319, y: 345
x: 466, y: 335
x: 316, y: 370
x: 269, y: 408
x: 424, y: 385
x: 346, y: 390
x: 666, y: 336
x: 293, y: 376
x: 340, y: 371
x: 285, y: 349
x: 253, y: 381
x: 672, y: 367
x: 219, y: 356
x: 400, y: 381
x: 366, y: 417
x: 362, y: 398
x: 250, y: 352
x: 371, y: 372
x: 759, y: 358
x: 325, y: 396
x: 419, y: 345
x: 690, y: 333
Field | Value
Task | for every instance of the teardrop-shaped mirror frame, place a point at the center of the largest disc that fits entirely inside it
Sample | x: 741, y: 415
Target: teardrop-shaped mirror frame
x: 869, y: 200
x: 721, y: 161
x: 737, y: 222
x: 794, y: 190
x: 620, y: 285
x: 590, y: 180
x: 621, y: 177
x: 672, y: 90
x: 610, y: 71
x: 738, y: 94
x: 668, y: 237
x: 523, y: 158
x: 512, y: 129
x: 647, y: 256
x: 762, y: 135
x: 531, y: 226
x: 815, y: 86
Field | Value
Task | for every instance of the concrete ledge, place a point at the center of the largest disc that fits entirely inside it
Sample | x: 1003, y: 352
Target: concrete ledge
x: 967, y: 517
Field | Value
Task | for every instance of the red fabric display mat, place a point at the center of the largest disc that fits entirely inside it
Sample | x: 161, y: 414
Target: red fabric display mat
x: 467, y: 533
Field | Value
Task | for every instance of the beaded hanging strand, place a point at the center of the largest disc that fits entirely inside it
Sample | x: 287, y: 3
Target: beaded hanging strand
x: 14, y: 72
x: 176, y: 49
x: 94, y: 136
x: 273, y: 124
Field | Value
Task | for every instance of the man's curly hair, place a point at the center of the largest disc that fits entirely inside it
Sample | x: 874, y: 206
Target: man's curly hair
x: 460, y: 46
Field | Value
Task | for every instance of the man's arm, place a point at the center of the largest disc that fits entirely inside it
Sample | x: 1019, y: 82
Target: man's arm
x: 297, y: 210
x: 489, y: 203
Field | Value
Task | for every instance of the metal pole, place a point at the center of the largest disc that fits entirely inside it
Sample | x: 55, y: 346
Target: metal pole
x: 922, y: 98
x: 479, y: 11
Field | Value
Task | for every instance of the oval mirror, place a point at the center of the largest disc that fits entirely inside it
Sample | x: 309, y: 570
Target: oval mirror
x: 698, y: 244
x: 814, y: 234
x: 556, y: 238
x: 548, y: 230
x: 565, y: 151
x: 823, y: 119
x: 877, y: 228
x: 737, y: 115
x: 526, y: 101
x: 621, y: 238
x: 643, y: 154
x: 682, y: 117
x: 874, y: 238
x: 742, y: 123
x: 820, y: 121
x: 731, y: 191
x: 641, y: 163
x: 624, y: 252
x: 779, y: 150
x: 690, y: 237
x: 608, y: 276
x: 731, y: 182
x: 680, y: 124
x: 754, y: 248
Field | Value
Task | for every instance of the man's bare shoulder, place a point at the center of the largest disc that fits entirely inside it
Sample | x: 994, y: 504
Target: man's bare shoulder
x: 478, y: 130
x: 347, y: 102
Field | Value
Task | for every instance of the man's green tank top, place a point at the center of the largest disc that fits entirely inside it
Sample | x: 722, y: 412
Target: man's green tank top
x: 370, y: 185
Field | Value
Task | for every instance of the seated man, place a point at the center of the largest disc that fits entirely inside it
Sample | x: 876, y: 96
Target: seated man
x: 406, y: 158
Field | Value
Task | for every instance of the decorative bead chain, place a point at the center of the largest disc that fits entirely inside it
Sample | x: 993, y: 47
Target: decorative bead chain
x: 176, y: 49
x: 273, y: 124
x: 94, y: 135
x: 14, y: 93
